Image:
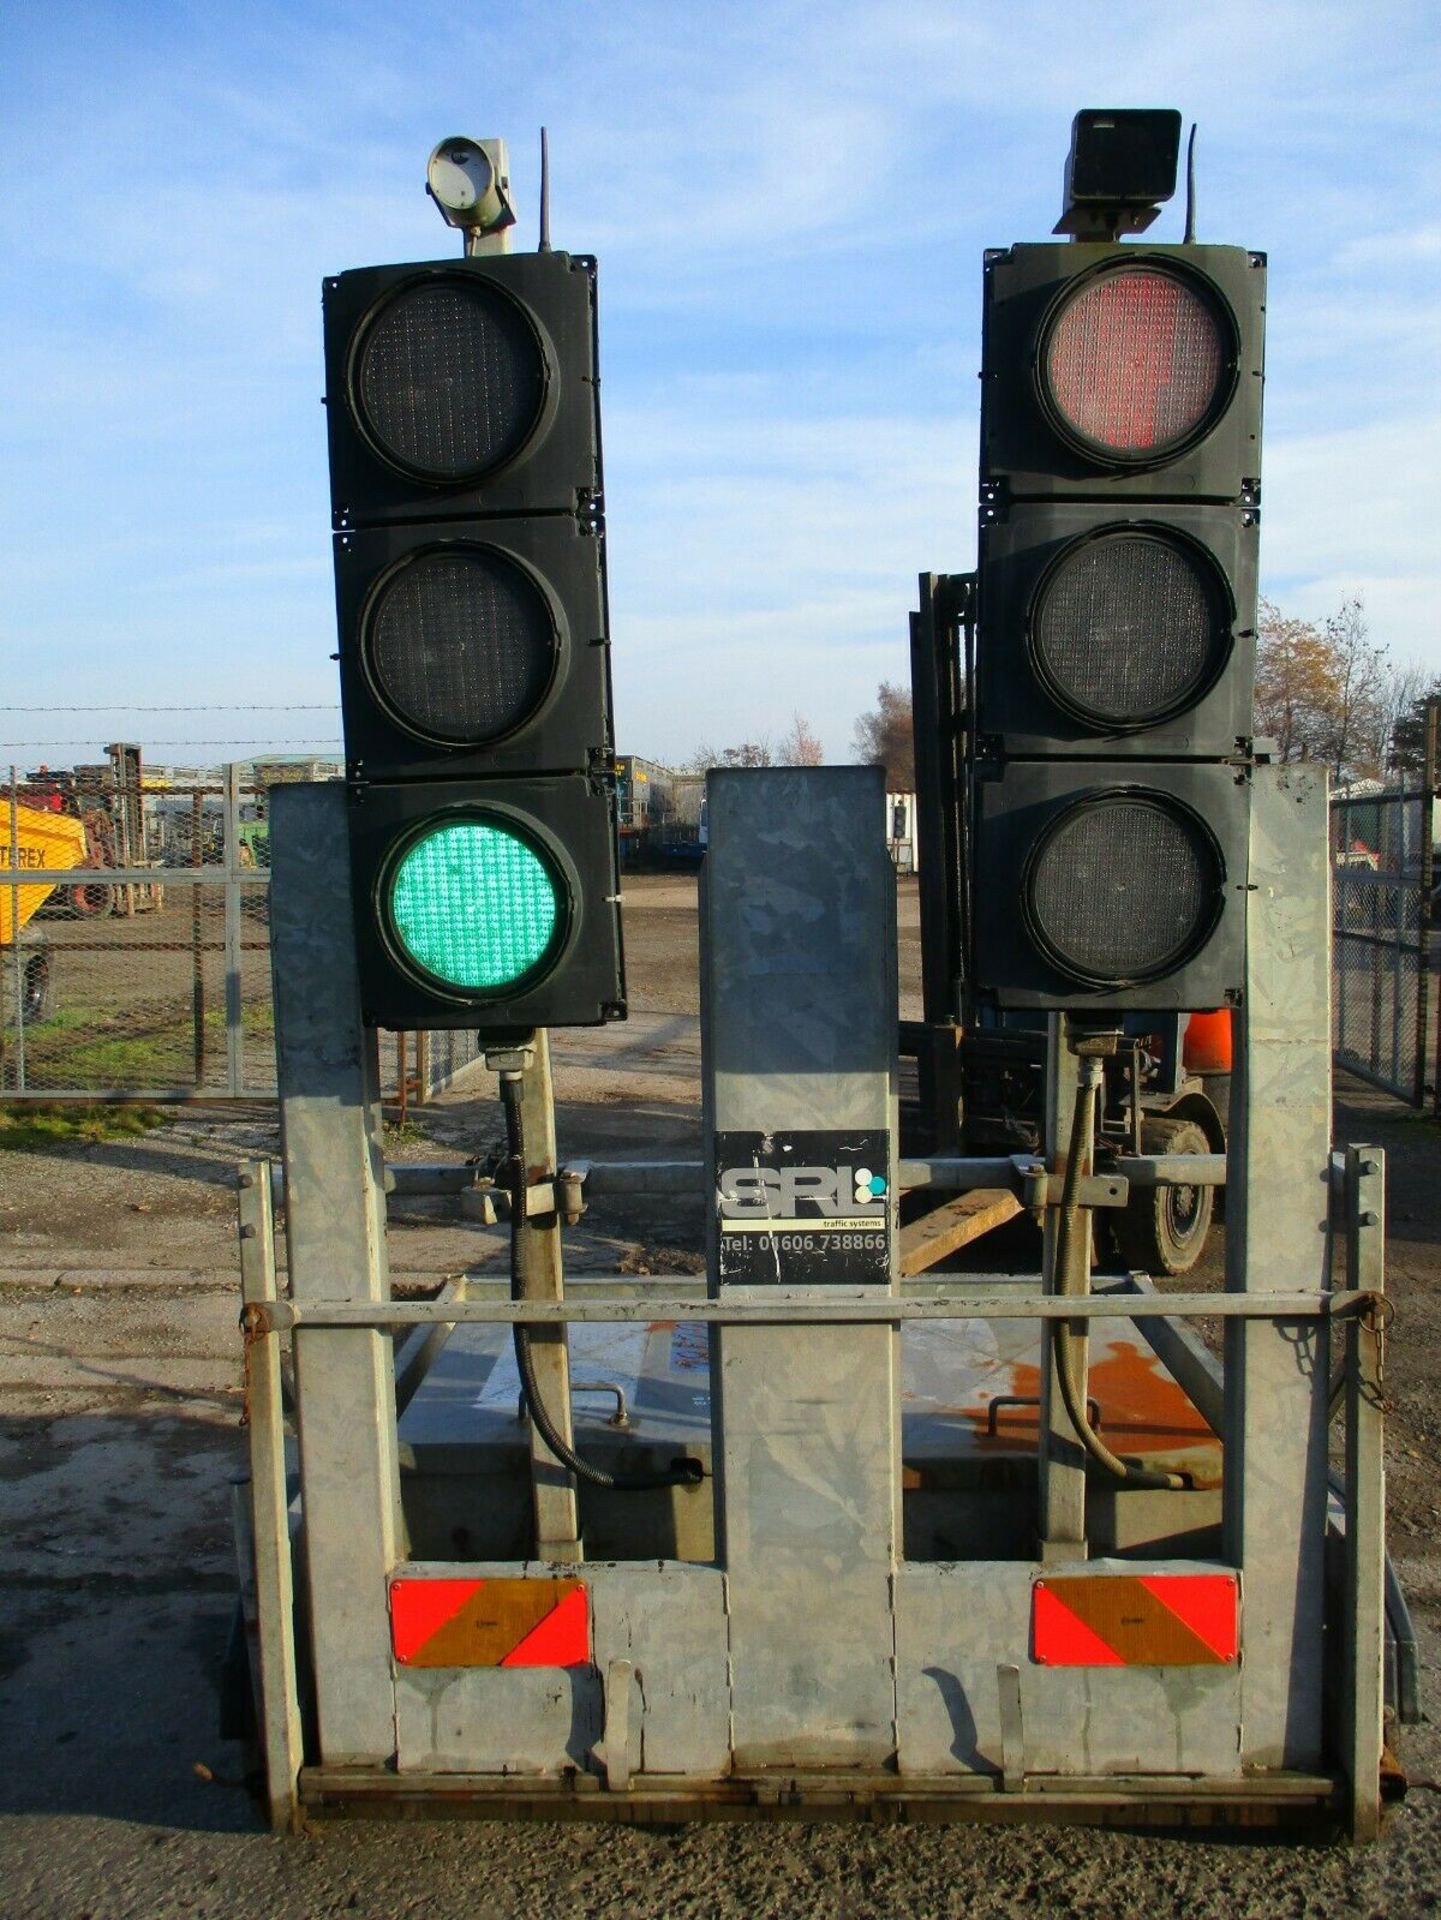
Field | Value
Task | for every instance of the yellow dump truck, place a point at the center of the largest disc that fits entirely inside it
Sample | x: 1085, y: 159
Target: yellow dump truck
x: 34, y: 840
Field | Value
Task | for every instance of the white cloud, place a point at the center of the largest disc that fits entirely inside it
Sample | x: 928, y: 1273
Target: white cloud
x: 1358, y: 512
x: 790, y: 204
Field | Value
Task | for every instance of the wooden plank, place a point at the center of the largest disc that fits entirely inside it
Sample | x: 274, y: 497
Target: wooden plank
x: 928, y: 1240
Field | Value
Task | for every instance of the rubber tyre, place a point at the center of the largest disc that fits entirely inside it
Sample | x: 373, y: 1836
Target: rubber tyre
x: 37, y: 993
x: 93, y: 901
x: 1163, y: 1230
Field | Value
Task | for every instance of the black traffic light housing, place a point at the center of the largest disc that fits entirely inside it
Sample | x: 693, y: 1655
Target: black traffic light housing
x: 1125, y: 633
x: 468, y: 512
x: 1111, y: 884
x: 460, y: 387
x: 474, y: 648
x: 568, y: 822
x: 1046, y: 308
x: 1116, y: 615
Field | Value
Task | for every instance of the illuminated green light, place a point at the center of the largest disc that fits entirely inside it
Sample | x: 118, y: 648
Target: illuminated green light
x: 473, y: 904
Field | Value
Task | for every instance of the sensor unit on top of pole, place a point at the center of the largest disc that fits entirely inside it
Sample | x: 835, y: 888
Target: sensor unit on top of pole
x: 1121, y: 168
x: 469, y: 180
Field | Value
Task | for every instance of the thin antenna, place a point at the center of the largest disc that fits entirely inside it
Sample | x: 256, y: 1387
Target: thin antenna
x: 1189, y: 237
x: 544, y: 192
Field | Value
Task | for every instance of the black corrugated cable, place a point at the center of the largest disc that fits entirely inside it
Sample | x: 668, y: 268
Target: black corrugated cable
x: 684, y: 1472
x: 1074, y: 1220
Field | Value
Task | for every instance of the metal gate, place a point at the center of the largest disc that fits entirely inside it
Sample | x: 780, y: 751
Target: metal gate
x: 1383, y: 911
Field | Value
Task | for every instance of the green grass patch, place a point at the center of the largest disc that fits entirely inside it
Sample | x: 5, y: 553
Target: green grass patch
x: 140, y: 1046
x: 28, y: 1126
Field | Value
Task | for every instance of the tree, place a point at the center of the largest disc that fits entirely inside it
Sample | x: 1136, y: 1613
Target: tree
x: 1295, y: 684
x: 1360, y: 714
x: 750, y: 753
x: 1408, y: 731
x: 1329, y: 692
x: 800, y: 747
x: 886, y: 738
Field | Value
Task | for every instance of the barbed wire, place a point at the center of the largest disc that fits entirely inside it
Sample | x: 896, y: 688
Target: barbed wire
x: 331, y: 740
x: 233, y: 706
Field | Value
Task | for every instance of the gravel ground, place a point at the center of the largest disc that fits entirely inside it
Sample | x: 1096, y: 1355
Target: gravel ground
x: 120, y: 1399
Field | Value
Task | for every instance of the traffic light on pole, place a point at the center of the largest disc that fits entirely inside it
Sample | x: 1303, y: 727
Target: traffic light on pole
x: 1115, y: 653
x: 466, y: 487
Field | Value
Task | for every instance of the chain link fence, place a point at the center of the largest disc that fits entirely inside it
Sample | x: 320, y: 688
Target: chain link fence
x: 135, y: 935
x: 1384, y: 1012
x: 135, y: 938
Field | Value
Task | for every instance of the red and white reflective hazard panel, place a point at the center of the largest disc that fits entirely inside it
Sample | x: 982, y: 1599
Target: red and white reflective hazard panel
x: 1135, y: 1620
x: 490, y: 1623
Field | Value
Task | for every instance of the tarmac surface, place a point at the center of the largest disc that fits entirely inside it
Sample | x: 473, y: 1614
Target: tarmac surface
x: 120, y: 1404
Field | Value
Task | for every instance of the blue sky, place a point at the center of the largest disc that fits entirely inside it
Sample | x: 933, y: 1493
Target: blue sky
x: 789, y: 202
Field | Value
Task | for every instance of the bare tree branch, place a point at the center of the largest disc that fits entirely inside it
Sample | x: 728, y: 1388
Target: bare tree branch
x: 886, y: 737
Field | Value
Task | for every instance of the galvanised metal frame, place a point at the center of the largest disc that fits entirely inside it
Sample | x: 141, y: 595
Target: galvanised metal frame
x: 687, y: 1707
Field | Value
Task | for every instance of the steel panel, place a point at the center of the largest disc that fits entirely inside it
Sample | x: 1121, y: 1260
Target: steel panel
x: 1276, y: 1241
x: 670, y: 1621
x: 798, y: 1031
x: 514, y: 1720
x: 957, y: 1624
x: 335, y: 1237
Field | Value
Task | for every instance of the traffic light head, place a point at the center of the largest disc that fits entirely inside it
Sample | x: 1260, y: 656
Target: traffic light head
x: 1115, y: 656
x: 1117, y: 632
x: 474, y: 652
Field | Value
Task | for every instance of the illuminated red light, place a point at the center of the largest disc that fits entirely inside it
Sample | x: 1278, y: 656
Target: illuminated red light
x: 1134, y: 362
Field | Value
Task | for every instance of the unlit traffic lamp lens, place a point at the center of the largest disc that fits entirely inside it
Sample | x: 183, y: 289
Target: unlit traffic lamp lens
x: 449, y: 379
x: 1129, y: 626
x: 1136, y: 362
x: 475, y: 907
x: 460, y: 644
x: 1123, y: 888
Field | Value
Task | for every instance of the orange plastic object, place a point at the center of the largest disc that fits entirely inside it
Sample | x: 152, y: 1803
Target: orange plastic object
x: 1208, y: 1042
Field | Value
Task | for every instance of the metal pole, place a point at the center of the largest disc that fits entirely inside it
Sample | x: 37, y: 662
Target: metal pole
x: 15, y: 933
x: 1373, y: 1052
x: 1398, y: 941
x: 1363, y: 1689
x: 937, y: 800
x: 1277, y: 1223
x: 557, y: 1524
x: 234, y: 997
x: 126, y: 852
x: 1062, y: 1481
x: 1340, y: 903
x: 330, y: 1129
x: 1429, y: 780
x: 197, y: 959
